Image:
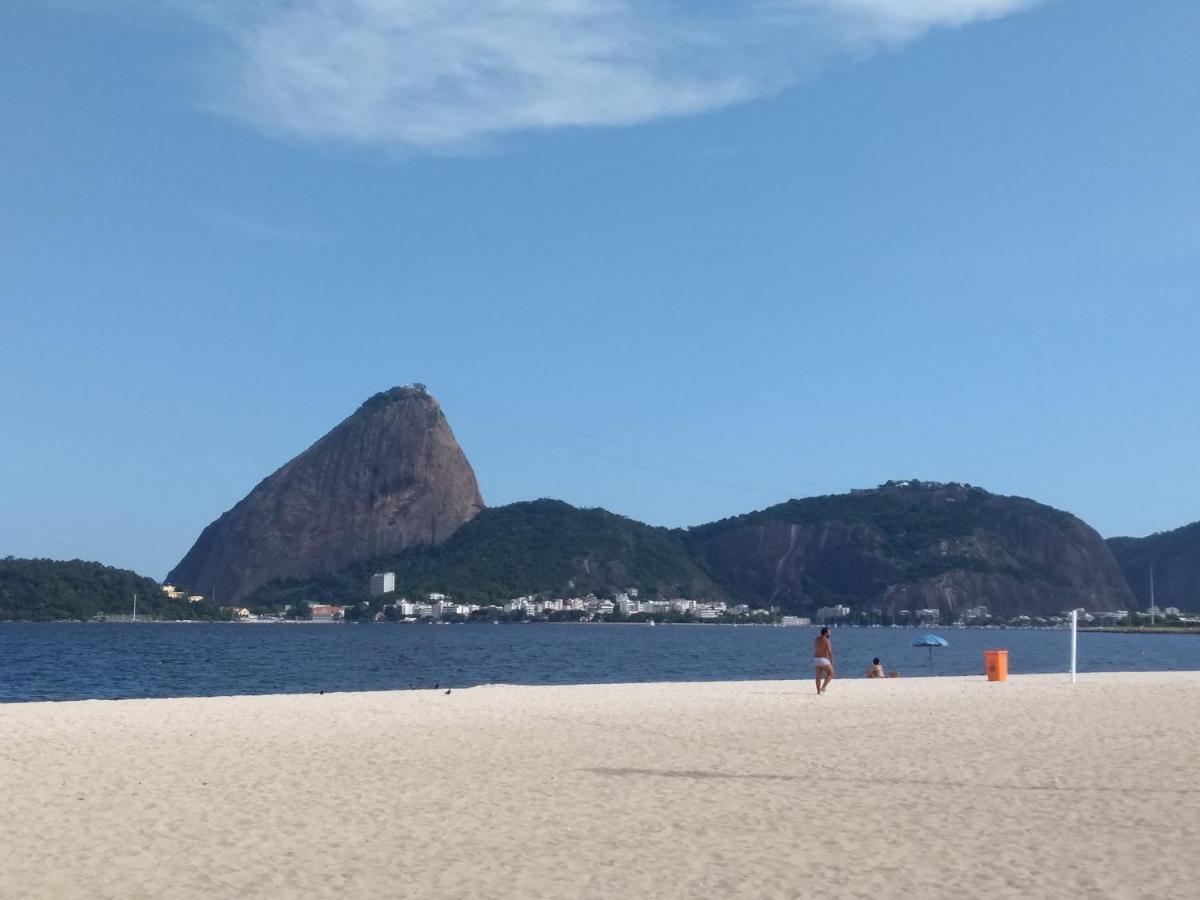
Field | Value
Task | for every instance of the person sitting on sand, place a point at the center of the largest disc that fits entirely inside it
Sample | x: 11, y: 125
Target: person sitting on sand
x: 876, y: 670
x: 823, y: 660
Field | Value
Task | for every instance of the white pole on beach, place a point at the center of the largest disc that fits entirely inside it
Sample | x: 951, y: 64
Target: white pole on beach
x: 1074, y: 628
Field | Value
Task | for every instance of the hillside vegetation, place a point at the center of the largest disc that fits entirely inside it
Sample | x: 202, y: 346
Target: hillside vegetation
x: 541, y: 546
x: 47, y: 589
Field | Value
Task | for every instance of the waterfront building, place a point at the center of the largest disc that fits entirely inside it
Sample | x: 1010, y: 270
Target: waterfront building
x: 383, y: 583
x: 829, y: 613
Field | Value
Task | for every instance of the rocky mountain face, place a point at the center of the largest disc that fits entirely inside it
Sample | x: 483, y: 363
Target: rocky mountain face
x: 388, y: 478
x: 913, y: 545
x: 1175, y: 556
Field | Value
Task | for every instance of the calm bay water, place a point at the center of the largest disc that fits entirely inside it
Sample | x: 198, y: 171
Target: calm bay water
x: 109, y: 661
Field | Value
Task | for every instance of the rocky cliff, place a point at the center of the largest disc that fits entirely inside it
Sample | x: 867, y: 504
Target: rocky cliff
x: 389, y: 477
x: 1175, y: 556
x: 913, y: 545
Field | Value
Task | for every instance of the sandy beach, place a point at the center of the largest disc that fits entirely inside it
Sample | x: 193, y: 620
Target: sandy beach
x: 913, y: 787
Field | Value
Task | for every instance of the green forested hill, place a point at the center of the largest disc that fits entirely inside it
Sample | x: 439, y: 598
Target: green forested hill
x: 47, y: 589
x: 532, y: 547
x: 910, y: 545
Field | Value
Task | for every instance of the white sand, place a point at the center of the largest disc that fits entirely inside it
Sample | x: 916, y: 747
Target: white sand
x: 948, y: 787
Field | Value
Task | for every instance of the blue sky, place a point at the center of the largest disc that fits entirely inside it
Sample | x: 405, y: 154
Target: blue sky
x: 677, y: 260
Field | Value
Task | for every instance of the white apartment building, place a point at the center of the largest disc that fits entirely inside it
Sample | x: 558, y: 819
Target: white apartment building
x: 828, y: 613
x: 383, y: 583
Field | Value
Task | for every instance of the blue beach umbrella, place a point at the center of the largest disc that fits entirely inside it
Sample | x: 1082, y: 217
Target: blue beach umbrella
x: 931, y: 641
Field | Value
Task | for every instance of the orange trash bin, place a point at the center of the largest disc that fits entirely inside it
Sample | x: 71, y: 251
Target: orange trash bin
x: 996, y: 664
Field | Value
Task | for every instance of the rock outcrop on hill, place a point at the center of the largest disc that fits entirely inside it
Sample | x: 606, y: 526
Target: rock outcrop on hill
x: 388, y: 478
x: 913, y: 545
x: 1175, y: 556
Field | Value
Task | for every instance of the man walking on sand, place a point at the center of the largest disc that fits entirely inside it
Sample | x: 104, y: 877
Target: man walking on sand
x: 823, y: 660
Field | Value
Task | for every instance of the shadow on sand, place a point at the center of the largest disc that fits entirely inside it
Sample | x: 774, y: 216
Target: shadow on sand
x: 700, y: 774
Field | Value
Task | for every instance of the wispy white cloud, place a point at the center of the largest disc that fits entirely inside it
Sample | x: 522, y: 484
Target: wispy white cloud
x: 443, y: 75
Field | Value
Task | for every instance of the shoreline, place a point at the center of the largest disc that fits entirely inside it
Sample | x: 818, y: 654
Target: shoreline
x: 1040, y: 678
x: 442, y: 686
x: 1138, y: 629
x: 1031, y: 787
x: 1091, y: 629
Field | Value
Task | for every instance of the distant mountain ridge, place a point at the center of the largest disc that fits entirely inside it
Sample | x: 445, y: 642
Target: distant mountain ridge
x: 390, y: 489
x: 913, y: 545
x: 908, y: 545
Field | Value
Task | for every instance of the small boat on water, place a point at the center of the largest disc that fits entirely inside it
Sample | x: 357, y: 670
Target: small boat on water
x: 651, y: 622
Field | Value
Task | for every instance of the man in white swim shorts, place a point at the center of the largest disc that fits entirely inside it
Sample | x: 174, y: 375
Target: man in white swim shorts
x: 823, y: 660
